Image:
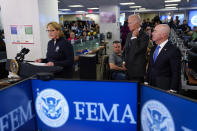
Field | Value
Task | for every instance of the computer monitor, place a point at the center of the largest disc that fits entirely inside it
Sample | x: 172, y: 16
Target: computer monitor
x: 181, y: 17
x: 166, y: 111
x: 192, y: 18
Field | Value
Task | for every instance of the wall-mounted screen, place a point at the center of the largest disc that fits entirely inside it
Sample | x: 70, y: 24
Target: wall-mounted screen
x: 181, y: 17
x: 192, y: 18
x: 163, y: 18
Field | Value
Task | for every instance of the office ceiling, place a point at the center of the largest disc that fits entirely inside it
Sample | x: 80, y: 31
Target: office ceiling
x: 148, y: 4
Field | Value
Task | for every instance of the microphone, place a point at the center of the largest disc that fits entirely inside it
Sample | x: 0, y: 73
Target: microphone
x: 20, y: 56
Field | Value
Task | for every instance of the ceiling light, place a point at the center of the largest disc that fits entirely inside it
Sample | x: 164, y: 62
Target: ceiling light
x: 129, y: 3
x: 74, y: 6
x: 93, y: 8
x: 171, y: 5
x: 64, y: 9
x: 135, y: 6
x: 80, y: 11
x: 170, y: 1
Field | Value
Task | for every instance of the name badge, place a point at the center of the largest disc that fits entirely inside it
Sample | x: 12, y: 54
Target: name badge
x: 57, y: 49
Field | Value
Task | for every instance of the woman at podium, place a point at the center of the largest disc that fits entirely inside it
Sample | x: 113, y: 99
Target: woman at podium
x: 59, y: 51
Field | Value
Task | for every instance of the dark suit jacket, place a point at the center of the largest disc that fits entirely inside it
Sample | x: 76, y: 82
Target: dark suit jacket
x: 62, y: 55
x: 165, y: 72
x: 135, y: 54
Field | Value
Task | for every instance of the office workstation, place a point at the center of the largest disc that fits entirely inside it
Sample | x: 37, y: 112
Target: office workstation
x: 60, y: 65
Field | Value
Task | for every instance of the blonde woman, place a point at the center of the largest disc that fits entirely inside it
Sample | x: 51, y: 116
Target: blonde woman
x: 59, y: 51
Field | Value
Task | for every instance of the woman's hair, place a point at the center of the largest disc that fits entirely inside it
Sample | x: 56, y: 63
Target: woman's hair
x: 57, y: 27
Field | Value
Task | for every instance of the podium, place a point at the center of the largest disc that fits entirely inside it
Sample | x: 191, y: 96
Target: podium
x: 26, y: 69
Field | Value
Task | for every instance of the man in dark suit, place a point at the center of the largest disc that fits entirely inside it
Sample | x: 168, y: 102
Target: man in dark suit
x: 164, y: 69
x: 135, y: 50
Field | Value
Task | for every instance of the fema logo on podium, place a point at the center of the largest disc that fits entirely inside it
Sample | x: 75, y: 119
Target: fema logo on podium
x: 52, y: 108
x: 156, y: 117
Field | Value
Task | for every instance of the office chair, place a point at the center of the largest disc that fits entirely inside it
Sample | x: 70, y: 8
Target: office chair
x: 105, y: 69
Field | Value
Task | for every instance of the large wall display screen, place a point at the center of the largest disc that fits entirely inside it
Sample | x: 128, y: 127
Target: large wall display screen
x: 192, y: 18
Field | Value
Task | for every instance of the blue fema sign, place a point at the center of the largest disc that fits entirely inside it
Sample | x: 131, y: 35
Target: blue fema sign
x: 85, y: 105
x: 17, y: 111
x: 161, y: 111
x: 52, y: 108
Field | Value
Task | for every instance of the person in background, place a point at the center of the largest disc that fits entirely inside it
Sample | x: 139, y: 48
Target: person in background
x: 96, y: 29
x: 184, y: 26
x: 135, y: 50
x: 148, y: 31
x: 59, y: 52
x: 84, y: 36
x: 72, y: 36
x: 172, y: 24
x: 177, y: 21
x: 194, y: 34
x: 74, y: 27
x: 164, y: 70
x: 124, y: 32
x: 115, y: 62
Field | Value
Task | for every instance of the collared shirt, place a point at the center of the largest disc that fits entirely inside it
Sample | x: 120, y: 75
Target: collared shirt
x: 162, y: 45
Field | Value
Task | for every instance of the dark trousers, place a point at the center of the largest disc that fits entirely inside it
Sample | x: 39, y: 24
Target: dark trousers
x: 139, y: 79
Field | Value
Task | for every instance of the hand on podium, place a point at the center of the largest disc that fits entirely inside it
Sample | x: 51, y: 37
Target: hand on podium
x: 50, y: 64
x: 38, y: 60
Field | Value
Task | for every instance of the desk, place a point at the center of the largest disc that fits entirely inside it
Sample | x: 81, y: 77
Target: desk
x: 87, y: 66
x: 94, y: 51
x: 8, y: 81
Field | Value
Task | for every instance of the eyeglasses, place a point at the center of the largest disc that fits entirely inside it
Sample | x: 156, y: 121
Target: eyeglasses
x: 50, y: 30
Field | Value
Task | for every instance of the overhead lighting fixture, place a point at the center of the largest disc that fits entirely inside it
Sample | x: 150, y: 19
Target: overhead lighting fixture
x: 80, y: 11
x: 93, y: 8
x: 75, y: 6
x: 171, y: 5
x: 129, y: 3
x: 172, y: 1
x: 142, y: 8
x: 135, y: 6
x: 64, y: 9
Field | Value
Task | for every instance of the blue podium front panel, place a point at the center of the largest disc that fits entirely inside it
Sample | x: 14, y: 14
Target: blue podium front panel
x: 17, y: 110
x: 85, y: 105
x: 161, y: 111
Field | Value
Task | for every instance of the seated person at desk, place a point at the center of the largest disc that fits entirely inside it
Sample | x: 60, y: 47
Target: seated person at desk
x: 194, y: 34
x: 59, y: 52
x: 72, y: 36
x: 115, y: 62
